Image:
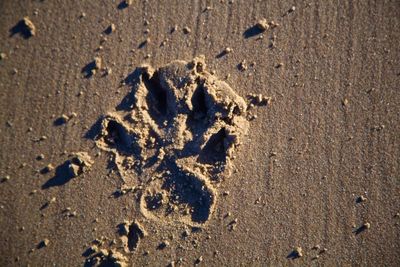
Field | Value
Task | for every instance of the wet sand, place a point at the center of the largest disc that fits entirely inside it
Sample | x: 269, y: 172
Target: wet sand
x: 315, y: 181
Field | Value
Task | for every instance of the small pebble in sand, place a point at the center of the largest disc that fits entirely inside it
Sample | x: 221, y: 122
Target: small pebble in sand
x: 228, y: 50
x: 110, y: 29
x: 187, y: 30
x: 108, y: 71
x: 40, y: 157
x: 243, y: 65
x: 293, y: 8
x: 64, y: 118
x: 163, y: 244
x: 5, y: 178
x: 3, y: 56
x: 44, y: 243
x: 345, y: 102
x: 52, y: 200
x: 72, y: 115
x: 366, y: 225
x: 199, y: 260
x: 324, y: 250
x: 262, y: 25
x: 29, y: 26
x: 298, y: 252
x: 42, y: 138
x: 361, y: 199
x: 48, y: 168
x: 98, y: 63
x: 273, y: 24
x: 128, y: 2
x: 316, y: 247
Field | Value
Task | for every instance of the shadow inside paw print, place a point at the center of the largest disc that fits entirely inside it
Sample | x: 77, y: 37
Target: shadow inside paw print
x: 174, y: 134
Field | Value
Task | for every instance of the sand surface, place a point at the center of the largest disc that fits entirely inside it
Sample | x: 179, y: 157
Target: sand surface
x: 314, y: 181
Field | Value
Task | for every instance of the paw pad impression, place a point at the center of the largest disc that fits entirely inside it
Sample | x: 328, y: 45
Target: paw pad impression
x: 175, y: 137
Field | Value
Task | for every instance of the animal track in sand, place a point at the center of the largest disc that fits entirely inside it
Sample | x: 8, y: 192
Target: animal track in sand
x: 175, y: 136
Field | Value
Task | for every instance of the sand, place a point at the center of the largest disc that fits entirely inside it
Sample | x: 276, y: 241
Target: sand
x: 210, y: 133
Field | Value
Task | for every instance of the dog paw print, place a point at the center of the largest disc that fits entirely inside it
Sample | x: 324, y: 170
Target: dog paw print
x: 175, y: 135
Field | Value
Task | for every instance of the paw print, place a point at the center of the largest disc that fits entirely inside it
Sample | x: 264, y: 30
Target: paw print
x: 174, y: 136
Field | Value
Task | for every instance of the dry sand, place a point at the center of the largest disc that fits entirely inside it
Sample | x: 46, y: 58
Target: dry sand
x: 121, y: 145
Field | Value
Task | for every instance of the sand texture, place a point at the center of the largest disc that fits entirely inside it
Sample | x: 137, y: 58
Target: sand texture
x: 207, y: 133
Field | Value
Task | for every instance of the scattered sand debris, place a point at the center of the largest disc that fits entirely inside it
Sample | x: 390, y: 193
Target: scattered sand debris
x: 366, y: 225
x: 322, y: 251
x: 98, y: 63
x: 5, y: 178
x: 361, y: 199
x: 29, y: 27
x: 378, y: 127
x: 199, y: 260
x: 44, y: 243
x: 297, y: 252
x: 107, y: 71
x: 316, y: 247
x: 228, y: 50
x: 131, y: 233
x: 145, y: 42
x: 174, y: 29
x: 273, y: 24
x: 163, y: 244
x: 79, y: 163
x: 110, y: 29
x: 262, y: 25
x: 233, y: 224
x: 63, y: 119
x: 186, y: 30
x: 259, y: 99
x: 91, y: 68
x: 106, y: 257
x: 47, y: 169
x: 243, y: 65
x: 33, y: 192
x: 124, y: 190
x: 362, y: 228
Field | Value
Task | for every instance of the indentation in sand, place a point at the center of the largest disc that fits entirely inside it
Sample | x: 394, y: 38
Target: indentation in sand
x: 175, y: 136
